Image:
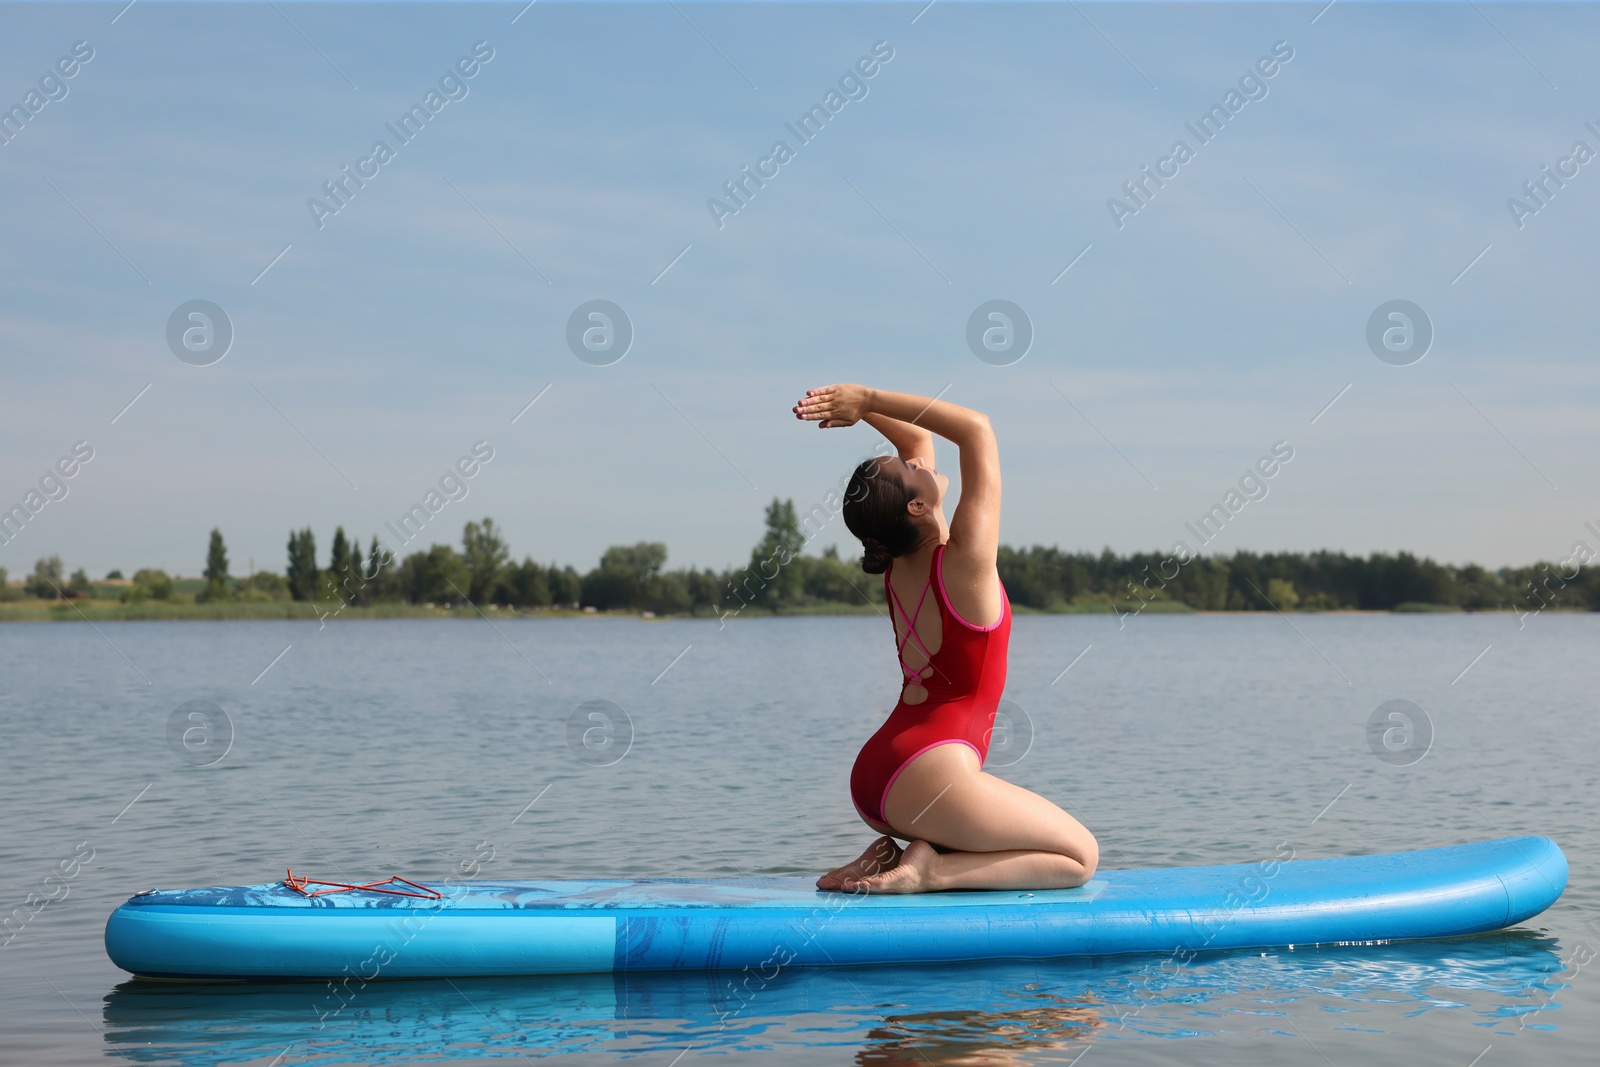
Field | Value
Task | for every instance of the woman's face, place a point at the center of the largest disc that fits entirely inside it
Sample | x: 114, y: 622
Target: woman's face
x: 929, y: 484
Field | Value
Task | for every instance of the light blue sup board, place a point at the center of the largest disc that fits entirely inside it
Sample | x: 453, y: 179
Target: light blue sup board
x: 483, y: 928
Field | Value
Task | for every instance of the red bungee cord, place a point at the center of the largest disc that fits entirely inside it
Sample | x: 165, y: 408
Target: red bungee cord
x: 299, y: 886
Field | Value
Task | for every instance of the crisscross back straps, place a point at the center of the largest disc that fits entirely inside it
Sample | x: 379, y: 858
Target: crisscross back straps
x: 911, y: 676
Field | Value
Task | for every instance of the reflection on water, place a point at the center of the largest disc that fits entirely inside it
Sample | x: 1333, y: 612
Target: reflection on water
x: 980, y: 1036
x: 997, y: 1013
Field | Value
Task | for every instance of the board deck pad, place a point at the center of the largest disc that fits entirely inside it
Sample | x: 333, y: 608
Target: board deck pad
x: 597, y: 925
x: 619, y: 894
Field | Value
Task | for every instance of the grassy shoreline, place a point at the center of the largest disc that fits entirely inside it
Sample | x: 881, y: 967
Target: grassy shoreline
x: 109, y: 610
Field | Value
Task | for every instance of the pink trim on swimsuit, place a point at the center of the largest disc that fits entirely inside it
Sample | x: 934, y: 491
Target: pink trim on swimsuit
x: 884, y: 800
x: 957, y: 615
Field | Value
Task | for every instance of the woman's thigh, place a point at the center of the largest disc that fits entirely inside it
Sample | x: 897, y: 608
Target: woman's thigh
x: 943, y: 797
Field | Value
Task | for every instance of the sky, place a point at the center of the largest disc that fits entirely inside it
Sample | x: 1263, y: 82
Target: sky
x: 1178, y: 334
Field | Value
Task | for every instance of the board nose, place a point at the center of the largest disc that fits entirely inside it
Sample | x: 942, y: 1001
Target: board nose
x: 1538, y: 881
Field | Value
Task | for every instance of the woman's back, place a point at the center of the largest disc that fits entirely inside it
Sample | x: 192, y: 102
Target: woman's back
x: 946, y: 657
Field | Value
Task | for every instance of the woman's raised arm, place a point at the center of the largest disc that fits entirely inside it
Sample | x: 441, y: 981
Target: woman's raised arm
x: 975, y: 526
x: 910, y: 442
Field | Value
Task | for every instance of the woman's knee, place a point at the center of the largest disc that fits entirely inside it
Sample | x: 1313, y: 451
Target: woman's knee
x: 1074, y: 840
x: 1090, y: 857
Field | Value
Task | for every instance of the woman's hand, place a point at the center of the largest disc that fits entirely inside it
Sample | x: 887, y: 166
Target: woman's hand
x: 835, y: 405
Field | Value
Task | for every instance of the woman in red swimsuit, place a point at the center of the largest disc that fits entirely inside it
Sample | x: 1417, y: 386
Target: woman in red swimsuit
x: 919, y: 776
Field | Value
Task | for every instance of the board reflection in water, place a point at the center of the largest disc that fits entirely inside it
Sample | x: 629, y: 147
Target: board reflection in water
x: 944, y: 1015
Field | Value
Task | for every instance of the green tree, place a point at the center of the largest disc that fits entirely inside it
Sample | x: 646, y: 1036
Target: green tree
x: 486, y: 558
x: 437, y: 576
x: 362, y: 584
x: 830, y: 579
x: 380, y: 576
x: 1282, y: 594
x: 45, y: 582
x: 627, y: 576
x: 643, y: 560
x: 216, y: 559
x: 526, y: 585
x: 703, y: 590
x: 609, y: 590
x: 777, y: 581
x: 79, y: 584
x: 301, y: 572
x: 342, y: 579
x: 668, y: 594
x: 216, y: 572
x: 5, y: 585
x: 566, y: 586
x: 149, y: 584
x: 1203, y: 584
x: 339, y: 557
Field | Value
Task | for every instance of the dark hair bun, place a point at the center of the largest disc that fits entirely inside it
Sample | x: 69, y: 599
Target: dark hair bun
x: 875, y: 555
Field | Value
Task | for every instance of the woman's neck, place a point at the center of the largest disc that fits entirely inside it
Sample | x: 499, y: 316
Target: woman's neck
x: 924, y: 551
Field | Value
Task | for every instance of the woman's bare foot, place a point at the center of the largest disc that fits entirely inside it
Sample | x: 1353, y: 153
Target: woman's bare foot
x: 913, y: 874
x: 882, y: 855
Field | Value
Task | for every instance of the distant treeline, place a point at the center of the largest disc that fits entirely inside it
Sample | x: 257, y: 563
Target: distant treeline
x: 779, y: 575
x: 482, y: 572
x: 1049, y: 578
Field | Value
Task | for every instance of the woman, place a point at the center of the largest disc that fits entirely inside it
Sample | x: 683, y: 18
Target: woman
x: 919, y: 776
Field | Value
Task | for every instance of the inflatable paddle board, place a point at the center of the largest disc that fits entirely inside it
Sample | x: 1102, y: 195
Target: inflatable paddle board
x: 1027, y: 1008
x: 485, y: 928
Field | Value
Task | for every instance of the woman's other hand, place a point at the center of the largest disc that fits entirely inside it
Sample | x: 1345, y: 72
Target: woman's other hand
x: 834, y: 405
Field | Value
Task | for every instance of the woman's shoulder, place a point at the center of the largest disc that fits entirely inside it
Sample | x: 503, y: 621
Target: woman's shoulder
x: 970, y: 587
x: 953, y: 554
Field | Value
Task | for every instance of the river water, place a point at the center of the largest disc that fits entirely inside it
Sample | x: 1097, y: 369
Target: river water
x: 363, y: 749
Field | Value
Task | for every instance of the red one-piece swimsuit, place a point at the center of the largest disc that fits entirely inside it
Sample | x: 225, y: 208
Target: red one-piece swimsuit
x: 964, y: 680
